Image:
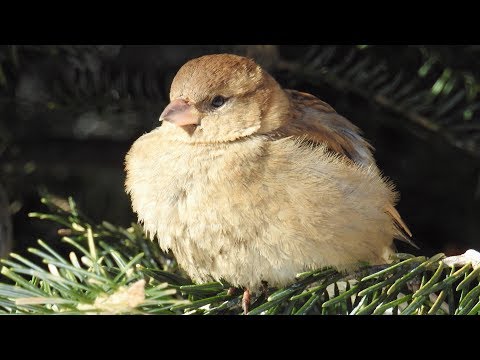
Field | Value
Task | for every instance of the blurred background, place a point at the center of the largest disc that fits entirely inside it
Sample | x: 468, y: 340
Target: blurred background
x: 68, y: 115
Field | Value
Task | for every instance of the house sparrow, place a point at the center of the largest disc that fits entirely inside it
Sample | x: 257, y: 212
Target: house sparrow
x: 248, y: 182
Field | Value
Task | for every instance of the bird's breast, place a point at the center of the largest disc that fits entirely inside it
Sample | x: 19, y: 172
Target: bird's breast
x: 194, y: 192
x: 259, y: 210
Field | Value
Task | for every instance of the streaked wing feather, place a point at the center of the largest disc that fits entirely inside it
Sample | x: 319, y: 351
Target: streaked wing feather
x: 316, y: 122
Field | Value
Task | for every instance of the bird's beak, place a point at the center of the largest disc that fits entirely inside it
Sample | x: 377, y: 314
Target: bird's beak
x: 180, y: 113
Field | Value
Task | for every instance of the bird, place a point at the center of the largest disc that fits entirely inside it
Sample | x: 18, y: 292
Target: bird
x: 249, y: 183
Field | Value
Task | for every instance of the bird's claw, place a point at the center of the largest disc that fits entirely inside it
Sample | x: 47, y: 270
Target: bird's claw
x: 246, y: 301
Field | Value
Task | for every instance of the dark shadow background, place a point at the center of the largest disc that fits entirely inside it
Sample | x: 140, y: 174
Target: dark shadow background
x: 68, y: 115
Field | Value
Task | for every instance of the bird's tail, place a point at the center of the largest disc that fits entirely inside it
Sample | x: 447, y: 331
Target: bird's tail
x: 403, y: 233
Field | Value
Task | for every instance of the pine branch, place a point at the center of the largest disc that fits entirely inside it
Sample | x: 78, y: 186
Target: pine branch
x: 110, y: 269
x: 436, y: 88
x: 416, y: 83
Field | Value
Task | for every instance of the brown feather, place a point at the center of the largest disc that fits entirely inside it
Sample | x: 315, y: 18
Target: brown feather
x: 404, y: 232
x: 316, y: 122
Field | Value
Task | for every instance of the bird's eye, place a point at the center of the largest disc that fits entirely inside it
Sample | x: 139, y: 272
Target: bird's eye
x: 218, y: 101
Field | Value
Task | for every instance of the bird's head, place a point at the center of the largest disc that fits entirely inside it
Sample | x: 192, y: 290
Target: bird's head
x: 222, y: 98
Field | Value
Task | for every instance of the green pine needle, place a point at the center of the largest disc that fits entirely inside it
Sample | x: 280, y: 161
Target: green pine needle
x: 107, y: 269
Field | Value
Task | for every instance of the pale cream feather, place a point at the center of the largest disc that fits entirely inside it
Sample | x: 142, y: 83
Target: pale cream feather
x: 257, y: 210
x: 270, y: 184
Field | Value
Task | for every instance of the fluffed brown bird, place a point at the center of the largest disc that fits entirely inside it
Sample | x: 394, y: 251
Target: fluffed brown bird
x: 247, y: 182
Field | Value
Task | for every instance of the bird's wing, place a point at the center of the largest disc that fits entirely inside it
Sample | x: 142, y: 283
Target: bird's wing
x: 318, y: 123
